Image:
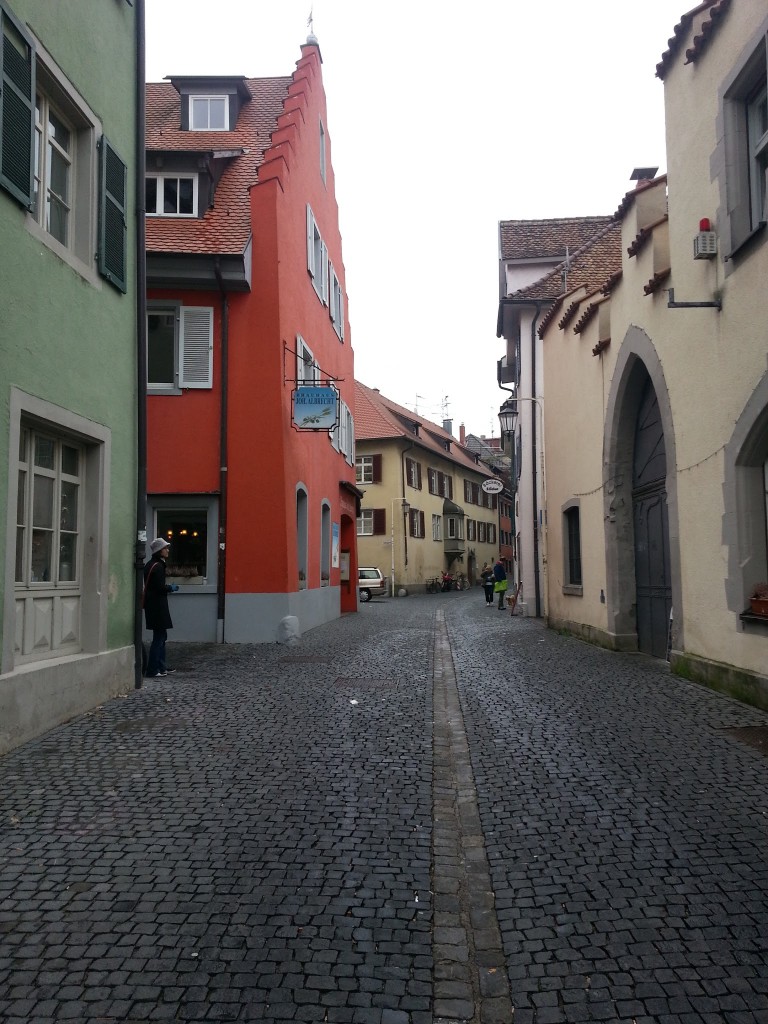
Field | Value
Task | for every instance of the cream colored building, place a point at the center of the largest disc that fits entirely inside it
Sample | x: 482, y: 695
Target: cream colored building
x: 657, y: 385
x: 423, y: 509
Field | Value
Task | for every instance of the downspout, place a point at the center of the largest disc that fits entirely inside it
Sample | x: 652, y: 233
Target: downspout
x: 536, y: 577
x: 221, y: 577
x: 410, y: 448
x: 141, y: 350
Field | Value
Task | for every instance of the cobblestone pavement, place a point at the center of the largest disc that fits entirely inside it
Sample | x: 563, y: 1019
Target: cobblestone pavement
x: 429, y: 811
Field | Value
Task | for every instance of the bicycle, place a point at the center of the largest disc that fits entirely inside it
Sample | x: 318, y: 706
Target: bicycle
x: 462, y: 583
x: 432, y: 585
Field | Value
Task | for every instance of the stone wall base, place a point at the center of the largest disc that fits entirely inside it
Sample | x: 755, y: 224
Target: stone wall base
x: 748, y: 687
x: 625, y: 642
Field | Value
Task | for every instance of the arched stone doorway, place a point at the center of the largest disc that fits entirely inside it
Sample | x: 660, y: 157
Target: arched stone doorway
x: 640, y: 503
x: 653, y: 587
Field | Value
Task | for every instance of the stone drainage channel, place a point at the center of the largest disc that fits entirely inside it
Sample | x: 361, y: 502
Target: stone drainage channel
x: 470, y: 985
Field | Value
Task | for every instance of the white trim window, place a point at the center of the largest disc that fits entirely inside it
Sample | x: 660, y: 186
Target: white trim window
x: 179, y: 347
x: 317, y: 257
x: 53, y: 170
x: 365, y: 522
x: 757, y: 142
x: 364, y: 469
x: 171, y: 195
x: 336, y: 304
x: 307, y: 370
x: 346, y: 433
x: 437, y: 527
x: 209, y: 113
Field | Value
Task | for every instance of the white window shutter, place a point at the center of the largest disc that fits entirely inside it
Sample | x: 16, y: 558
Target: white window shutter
x: 331, y: 292
x: 340, y: 314
x: 310, y: 241
x: 324, y: 272
x: 196, y: 347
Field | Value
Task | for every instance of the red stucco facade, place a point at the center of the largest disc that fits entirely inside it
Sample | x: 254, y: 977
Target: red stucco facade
x: 284, y: 506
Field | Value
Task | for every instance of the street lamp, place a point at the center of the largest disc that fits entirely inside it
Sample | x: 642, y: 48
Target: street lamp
x: 404, y: 506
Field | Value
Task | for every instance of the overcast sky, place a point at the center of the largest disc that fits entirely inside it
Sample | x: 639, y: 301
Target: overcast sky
x: 443, y: 120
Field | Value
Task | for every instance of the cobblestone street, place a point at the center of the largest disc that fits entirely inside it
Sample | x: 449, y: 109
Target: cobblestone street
x: 426, y: 812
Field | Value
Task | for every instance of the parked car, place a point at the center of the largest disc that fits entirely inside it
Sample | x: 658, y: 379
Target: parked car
x: 369, y: 582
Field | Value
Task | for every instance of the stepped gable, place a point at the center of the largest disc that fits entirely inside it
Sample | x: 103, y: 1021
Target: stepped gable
x: 542, y: 239
x: 266, y: 126
x: 378, y: 418
x: 716, y: 10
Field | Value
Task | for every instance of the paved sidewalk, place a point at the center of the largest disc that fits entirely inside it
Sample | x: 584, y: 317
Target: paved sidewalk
x: 252, y: 838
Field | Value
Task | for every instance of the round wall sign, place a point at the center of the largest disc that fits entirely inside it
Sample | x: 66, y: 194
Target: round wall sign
x: 492, y: 486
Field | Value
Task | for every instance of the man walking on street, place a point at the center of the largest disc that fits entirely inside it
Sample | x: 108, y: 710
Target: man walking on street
x: 500, y: 587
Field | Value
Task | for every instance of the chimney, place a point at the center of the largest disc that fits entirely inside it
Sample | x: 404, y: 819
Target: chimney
x: 448, y: 426
x: 462, y: 434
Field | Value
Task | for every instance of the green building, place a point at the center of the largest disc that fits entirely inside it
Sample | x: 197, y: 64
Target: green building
x: 68, y: 318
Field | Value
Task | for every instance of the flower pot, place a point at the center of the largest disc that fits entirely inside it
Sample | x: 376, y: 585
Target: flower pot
x: 759, y: 606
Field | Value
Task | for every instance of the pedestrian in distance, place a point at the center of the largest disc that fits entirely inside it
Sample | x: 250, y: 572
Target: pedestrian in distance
x: 155, y: 601
x: 500, y: 585
x: 489, y: 582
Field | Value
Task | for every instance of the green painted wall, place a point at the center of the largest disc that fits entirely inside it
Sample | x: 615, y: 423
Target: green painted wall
x: 65, y: 338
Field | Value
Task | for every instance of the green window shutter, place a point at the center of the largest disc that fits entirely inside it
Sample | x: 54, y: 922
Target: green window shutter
x: 113, y: 232
x: 17, y: 109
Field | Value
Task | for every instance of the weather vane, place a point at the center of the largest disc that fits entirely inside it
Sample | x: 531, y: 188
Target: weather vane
x: 311, y: 22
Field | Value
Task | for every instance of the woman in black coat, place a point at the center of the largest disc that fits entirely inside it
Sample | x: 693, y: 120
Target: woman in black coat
x: 156, y: 613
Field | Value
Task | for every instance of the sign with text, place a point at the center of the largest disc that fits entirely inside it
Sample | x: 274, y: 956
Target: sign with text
x: 492, y: 486
x: 315, y: 408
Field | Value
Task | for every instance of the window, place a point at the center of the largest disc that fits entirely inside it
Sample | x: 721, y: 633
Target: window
x: 371, y: 522
x: 413, y: 473
x: 336, y: 306
x: 302, y: 543
x: 746, y: 135
x: 322, y: 152
x: 482, y: 533
x: 48, y: 511
x: 346, y: 433
x: 307, y: 370
x: 471, y: 530
x: 179, y: 347
x: 52, y: 189
x: 48, y: 137
x: 368, y: 469
x: 325, y: 544
x: 209, y: 113
x: 171, y: 195
x: 317, y: 257
x: 572, y: 543
x: 491, y: 533
x: 416, y: 522
x: 437, y: 528
x: 187, y: 530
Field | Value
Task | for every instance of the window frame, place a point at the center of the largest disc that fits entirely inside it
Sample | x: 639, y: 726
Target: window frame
x: 192, y: 347
x: 437, y: 527
x: 160, y: 178
x: 196, y: 98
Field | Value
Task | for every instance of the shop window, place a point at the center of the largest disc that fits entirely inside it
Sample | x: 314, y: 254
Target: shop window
x: 187, y: 531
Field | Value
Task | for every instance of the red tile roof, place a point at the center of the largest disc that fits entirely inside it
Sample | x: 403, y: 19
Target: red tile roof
x: 644, y: 235
x: 626, y: 203
x: 226, y: 228
x: 716, y: 8
x: 589, y: 265
x: 378, y: 418
x: 657, y: 281
x: 539, y: 239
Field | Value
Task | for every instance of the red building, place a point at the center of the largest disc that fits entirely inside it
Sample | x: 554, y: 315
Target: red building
x: 246, y: 301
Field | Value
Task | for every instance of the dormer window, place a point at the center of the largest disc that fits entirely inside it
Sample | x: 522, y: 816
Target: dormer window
x: 209, y: 113
x: 171, y: 195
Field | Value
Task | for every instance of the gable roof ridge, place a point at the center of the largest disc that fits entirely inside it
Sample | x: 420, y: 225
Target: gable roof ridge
x: 708, y: 28
x: 300, y: 84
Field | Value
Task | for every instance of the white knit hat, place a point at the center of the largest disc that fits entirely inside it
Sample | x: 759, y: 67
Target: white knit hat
x: 158, y: 544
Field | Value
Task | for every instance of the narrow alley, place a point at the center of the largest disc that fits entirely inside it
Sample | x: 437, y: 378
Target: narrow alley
x: 426, y: 812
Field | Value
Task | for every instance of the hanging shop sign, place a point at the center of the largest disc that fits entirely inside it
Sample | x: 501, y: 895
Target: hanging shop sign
x: 492, y: 486
x: 315, y: 408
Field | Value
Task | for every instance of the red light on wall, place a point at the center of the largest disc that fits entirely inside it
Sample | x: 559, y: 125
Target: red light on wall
x: 705, y: 224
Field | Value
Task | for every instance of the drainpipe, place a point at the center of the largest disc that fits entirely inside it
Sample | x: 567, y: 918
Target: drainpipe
x: 410, y: 448
x: 141, y: 351
x: 221, y: 577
